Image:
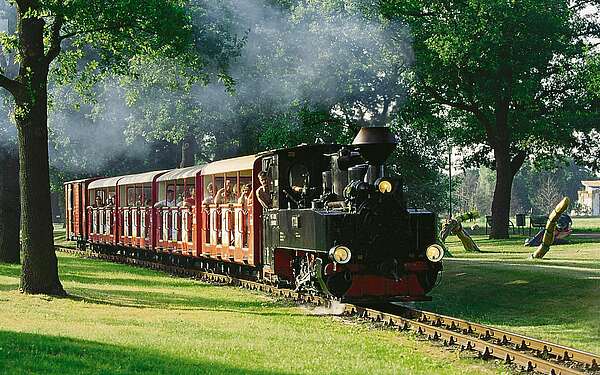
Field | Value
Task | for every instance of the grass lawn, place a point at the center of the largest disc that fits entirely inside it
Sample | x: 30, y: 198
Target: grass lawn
x: 122, y: 320
x: 557, y: 298
x: 586, y: 224
x: 580, y: 225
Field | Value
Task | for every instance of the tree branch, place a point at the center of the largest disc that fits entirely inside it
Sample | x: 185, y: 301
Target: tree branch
x: 517, y: 161
x: 479, y: 115
x: 95, y: 30
x: 11, y: 85
x: 55, y: 39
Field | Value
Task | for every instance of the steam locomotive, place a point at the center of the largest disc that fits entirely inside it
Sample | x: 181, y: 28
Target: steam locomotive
x: 336, y: 224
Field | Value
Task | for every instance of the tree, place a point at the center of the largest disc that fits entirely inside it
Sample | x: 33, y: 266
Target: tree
x: 113, y: 32
x: 9, y: 193
x: 512, y: 79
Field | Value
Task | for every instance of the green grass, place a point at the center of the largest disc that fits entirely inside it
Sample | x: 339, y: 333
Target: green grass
x: 586, y: 224
x: 580, y: 225
x: 578, y: 250
x: 122, y: 320
x: 557, y: 298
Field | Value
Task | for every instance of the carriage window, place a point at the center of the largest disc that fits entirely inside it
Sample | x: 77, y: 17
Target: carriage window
x: 299, y: 176
x: 147, y: 194
x: 130, y: 196
x: 97, y: 198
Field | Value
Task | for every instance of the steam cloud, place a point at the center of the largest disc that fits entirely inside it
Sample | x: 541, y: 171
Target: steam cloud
x: 309, y: 55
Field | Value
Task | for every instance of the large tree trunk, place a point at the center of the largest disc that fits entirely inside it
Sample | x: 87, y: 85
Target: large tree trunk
x: 40, y: 266
x: 10, y: 212
x: 501, y: 200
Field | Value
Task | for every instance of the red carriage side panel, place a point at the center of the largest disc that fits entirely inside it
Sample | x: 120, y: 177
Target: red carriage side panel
x: 76, y: 201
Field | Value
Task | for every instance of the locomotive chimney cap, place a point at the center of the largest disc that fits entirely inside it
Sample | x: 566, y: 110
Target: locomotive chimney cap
x: 375, y: 144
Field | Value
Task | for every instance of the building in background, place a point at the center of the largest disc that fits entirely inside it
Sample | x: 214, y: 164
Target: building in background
x: 589, y: 198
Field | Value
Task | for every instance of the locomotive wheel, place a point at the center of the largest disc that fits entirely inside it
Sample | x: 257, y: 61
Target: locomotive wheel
x: 428, y: 279
x: 339, y: 283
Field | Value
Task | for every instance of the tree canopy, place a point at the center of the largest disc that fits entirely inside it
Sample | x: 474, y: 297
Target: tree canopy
x: 511, y: 81
x: 82, y: 40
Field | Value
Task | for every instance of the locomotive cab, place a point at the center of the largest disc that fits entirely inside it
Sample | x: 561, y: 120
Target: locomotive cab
x: 339, y: 226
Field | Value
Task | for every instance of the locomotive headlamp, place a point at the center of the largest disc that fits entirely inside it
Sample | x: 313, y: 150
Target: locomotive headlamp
x: 385, y: 186
x: 434, y: 253
x: 340, y: 254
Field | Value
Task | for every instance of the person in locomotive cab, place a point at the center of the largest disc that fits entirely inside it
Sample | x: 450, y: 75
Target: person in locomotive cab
x: 169, y: 202
x: 263, y: 193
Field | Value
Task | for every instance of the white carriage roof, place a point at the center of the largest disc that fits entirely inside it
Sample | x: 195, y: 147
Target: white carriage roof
x: 593, y: 183
x: 104, y: 183
x: 139, y: 178
x: 80, y: 180
x: 180, y: 173
x: 230, y: 165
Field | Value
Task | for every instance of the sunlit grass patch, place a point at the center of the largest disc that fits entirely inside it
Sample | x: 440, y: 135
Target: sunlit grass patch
x: 556, y: 301
x: 120, y: 319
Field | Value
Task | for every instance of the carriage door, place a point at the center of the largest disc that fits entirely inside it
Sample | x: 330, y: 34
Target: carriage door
x: 270, y: 223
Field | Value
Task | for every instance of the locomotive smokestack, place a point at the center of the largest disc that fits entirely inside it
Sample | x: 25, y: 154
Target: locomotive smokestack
x: 375, y: 144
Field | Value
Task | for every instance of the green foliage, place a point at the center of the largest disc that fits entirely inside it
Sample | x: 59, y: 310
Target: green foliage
x: 533, y: 188
x: 469, y: 215
x: 111, y: 34
x: 518, y: 73
x: 303, y: 126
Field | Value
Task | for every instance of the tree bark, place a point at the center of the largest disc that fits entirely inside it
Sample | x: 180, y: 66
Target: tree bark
x: 40, y: 266
x: 502, y: 195
x: 10, y: 213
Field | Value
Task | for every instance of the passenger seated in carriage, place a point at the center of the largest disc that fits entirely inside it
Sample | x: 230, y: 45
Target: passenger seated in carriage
x: 190, y: 198
x: 225, y: 194
x: 98, y: 202
x: 245, y: 198
x: 169, y: 202
x: 110, y: 202
x: 210, y: 194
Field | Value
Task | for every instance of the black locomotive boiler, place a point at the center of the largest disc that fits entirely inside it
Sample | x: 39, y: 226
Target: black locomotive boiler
x: 340, y: 226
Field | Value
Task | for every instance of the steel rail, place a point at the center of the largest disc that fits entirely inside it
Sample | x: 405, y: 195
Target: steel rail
x: 521, y: 342
x: 528, y: 353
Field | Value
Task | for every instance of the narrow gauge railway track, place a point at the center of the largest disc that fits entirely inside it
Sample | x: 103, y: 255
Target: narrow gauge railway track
x: 528, y: 353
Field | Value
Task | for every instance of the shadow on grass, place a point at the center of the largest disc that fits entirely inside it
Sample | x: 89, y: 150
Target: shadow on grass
x: 119, y: 285
x: 24, y: 353
x: 104, y: 283
x: 173, y: 302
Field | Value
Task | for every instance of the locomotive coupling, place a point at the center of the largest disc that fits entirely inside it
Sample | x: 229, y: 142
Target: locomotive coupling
x: 340, y: 254
x: 434, y: 253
